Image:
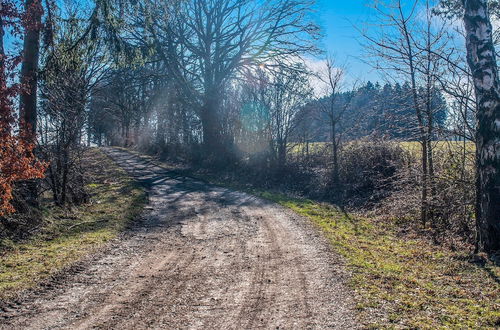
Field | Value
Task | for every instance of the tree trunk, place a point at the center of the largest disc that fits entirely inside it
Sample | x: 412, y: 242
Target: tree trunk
x: 281, y: 154
x: 65, y: 170
x: 161, y: 128
x: 212, y: 139
x: 29, y: 68
x: 28, y: 96
x: 431, y: 186
x: 483, y: 65
x: 335, y: 156
x: 424, y: 210
x: 423, y: 140
x: 2, y: 53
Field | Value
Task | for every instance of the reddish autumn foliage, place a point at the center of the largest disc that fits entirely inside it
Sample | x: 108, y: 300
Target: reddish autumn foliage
x: 17, y: 161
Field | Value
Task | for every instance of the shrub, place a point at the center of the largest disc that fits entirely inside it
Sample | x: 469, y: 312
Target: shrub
x: 451, y: 200
x: 368, y: 170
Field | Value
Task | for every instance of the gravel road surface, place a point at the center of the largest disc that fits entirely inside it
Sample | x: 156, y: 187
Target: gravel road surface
x: 200, y: 257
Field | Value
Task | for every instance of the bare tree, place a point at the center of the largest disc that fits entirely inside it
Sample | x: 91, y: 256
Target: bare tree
x: 459, y: 87
x: 413, y: 49
x: 289, y: 93
x: 272, y: 104
x: 334, y: 106
x: 69, y: 74
x: 207, y: 44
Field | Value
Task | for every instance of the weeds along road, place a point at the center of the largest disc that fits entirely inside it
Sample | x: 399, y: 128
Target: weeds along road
x: 201, y: 257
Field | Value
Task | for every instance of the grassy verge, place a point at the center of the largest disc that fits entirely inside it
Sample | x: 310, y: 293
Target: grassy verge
x: 405, y: 281
x: 68, y: 235
x: 401, y: 281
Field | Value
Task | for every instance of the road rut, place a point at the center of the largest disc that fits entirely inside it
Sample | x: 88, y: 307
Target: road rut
x: 200, y: 257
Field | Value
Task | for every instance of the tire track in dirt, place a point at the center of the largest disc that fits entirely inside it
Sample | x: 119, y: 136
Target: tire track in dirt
x: 201, y: 257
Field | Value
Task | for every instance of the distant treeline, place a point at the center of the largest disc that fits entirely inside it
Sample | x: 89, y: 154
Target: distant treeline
x: 383, y: 111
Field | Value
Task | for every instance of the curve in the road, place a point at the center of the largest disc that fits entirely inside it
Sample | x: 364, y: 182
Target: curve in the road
x: 201, y: 257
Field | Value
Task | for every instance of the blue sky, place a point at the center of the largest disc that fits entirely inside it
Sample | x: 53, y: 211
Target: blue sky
x: 339, y: 19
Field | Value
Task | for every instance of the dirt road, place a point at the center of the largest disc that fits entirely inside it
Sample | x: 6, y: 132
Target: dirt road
x: 201, y: 257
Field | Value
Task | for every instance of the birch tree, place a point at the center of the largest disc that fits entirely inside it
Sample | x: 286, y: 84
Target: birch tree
x: 482, y: 62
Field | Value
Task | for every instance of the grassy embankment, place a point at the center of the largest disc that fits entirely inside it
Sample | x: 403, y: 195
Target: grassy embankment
x: 400, y: 281
x: 69, y: 235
